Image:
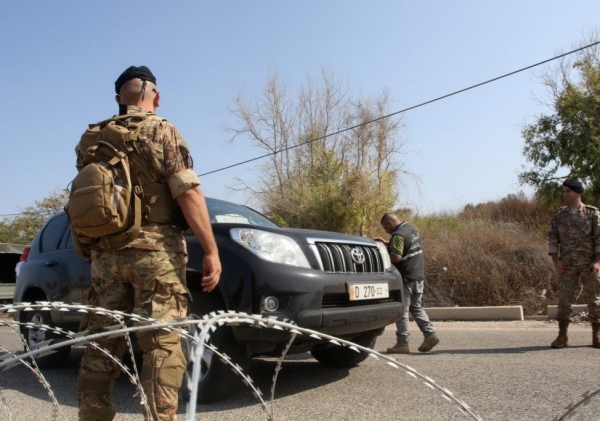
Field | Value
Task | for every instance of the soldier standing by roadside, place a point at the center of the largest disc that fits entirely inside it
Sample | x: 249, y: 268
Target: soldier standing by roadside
x: 406, y: 254
x: 146, y: 275
x: 574, y: 245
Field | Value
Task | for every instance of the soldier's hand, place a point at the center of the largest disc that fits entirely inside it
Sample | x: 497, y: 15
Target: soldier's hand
x: 560, y: 266
x: 211, y: 272
x: 381, y: 240
x: 595, y: 267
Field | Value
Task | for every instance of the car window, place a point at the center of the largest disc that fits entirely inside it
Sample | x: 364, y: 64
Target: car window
x: 67, y: 241
x: 52, y: 234
x: 227, y: 213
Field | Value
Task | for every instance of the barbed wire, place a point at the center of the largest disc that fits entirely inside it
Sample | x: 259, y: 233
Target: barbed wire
x: 201, y: 329
x: 199, y: 340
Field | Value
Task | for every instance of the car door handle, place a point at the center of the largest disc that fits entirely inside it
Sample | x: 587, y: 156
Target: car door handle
x: 51, y: 263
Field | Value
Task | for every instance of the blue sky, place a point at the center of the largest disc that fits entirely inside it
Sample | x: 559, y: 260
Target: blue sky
x: 59, y: 61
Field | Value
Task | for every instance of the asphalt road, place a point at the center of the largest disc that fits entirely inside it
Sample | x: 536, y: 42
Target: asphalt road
x: 503, y: 370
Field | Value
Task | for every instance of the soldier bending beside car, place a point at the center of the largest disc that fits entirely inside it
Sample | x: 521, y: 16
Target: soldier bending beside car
x: 406, y: 254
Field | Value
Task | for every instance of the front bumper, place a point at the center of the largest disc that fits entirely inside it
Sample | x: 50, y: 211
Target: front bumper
x: 306, y: 299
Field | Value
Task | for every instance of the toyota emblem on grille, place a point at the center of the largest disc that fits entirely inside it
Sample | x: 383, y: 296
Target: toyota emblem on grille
x: 357, y: 256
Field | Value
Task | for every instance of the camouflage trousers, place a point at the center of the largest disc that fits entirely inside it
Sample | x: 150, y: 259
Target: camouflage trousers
x: 575, y: 279
x: 149, y: 284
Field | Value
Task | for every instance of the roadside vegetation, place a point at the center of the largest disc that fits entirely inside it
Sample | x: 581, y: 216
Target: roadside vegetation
x: 318, y: 173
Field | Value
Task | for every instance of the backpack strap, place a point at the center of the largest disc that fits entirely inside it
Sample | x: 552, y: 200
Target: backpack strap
x: 151, y: 197
x: 137, y: 190
x: 157, y: 203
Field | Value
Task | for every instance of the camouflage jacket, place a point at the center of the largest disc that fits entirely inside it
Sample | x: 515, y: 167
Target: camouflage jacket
x: 168, y: 157
x: 575, y: 237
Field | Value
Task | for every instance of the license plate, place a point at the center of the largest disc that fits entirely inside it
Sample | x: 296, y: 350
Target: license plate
x: 364, y: 291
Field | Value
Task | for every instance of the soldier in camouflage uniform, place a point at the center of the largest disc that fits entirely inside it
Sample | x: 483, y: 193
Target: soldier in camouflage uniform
x: 147, y: 275
x: 574, y: 245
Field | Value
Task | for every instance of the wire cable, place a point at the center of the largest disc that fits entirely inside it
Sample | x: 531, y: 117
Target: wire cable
x: 404, y: 110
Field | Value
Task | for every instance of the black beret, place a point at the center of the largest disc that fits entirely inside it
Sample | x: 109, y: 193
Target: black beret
x: 133, y: 72
x: 574, y: 185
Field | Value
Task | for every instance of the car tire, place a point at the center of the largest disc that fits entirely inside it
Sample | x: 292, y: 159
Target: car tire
x: 34, y: 335
x: 217, y: 379
x: 340, y: 356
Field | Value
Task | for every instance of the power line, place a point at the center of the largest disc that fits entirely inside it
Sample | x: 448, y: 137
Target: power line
x: 404, y: 110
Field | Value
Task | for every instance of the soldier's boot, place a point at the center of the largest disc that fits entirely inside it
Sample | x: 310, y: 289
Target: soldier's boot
x: 399, y: 348
x: 596, y: 335
x: 429, y: 342
x: 96, y: 381
x: 562, y: 340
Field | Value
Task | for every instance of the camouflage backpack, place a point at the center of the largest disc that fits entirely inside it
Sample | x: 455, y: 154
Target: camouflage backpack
x: 105, y: 202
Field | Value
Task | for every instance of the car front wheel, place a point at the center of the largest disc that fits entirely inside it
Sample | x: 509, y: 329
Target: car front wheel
x: 339, y: 356
x: 37, y: 334
x: 217, y: 380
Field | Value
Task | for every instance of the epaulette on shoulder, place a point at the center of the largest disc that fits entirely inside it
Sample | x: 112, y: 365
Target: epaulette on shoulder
x: 562, y: 208
x: 591, y: 207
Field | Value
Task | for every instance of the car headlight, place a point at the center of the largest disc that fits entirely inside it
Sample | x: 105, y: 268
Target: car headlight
x: 270, y: 246
x: 387, y: 263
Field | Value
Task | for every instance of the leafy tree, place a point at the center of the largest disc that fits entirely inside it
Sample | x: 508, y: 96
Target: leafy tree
x: 22, y: 229
x: 342, y: 182
x: 567, y: 141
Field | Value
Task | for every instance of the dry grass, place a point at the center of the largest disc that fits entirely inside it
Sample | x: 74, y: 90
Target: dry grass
x: 491, y: 254
x: 485, y: 263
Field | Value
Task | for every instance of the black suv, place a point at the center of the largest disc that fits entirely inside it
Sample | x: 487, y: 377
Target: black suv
x: 336, y: 284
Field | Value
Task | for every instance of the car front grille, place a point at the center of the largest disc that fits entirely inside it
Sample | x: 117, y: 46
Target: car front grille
x: 349, y: 258
x: 343, y: 300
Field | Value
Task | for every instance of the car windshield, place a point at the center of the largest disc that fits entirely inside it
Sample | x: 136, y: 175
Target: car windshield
x: 229, y: 213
